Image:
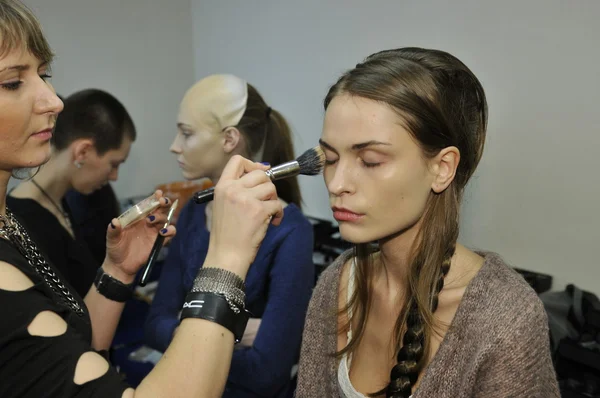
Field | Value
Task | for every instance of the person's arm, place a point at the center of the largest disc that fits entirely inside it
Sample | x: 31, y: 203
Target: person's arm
x: 122, y: 263
x: 105, y: 313
x: 520, y: 364
x: 266, y: 367
x: 196, y: 364
x: 163, y: 317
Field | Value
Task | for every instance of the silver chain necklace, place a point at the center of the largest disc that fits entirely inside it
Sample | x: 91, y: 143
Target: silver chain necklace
x: 12, y: 230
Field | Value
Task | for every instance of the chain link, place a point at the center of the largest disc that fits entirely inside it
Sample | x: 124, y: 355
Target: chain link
x: 13, y: 231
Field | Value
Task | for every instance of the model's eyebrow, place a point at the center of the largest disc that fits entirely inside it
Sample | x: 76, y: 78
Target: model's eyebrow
x: 355, y: 147
x: 326, y: 145
x: 366, y: 144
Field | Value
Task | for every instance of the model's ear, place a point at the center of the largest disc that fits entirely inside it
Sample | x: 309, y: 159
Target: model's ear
x: 444, y: 166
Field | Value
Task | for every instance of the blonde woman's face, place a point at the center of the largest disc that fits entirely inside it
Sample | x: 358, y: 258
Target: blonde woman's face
x: 198, y: 144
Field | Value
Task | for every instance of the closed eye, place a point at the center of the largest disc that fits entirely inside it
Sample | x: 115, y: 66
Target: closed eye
x: 185, y: 133
x: 369, y: 164
x: 12, y: 86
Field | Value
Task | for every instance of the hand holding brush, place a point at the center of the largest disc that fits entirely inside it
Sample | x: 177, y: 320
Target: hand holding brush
x: 310, y: 163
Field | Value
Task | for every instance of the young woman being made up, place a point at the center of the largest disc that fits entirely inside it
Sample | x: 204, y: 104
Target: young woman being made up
x: 409, y: 310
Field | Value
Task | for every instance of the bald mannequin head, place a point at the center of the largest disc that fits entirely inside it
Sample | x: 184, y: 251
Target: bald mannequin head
x: 223, y: 115
x: 217, y: 101
x: 208, y: 114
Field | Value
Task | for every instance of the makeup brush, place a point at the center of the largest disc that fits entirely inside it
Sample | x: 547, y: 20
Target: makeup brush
x: 158, y: 244
x: 310, y: 163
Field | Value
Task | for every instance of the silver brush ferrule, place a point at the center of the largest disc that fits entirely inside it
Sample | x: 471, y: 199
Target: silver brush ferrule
x: 285, y: 170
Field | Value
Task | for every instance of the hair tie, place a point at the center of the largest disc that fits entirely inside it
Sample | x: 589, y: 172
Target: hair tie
x: 268, y: 113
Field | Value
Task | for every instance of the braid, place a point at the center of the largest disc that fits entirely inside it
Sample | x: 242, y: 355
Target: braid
x: 405, y: 373
x: 443, y: 272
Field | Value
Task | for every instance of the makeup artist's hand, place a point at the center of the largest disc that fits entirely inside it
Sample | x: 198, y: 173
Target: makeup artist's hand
x: 245, y: 204
x: 128, y: 249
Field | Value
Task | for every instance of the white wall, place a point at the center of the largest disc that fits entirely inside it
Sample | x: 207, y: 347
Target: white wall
x: 141, y: 52
x: 535, y: 197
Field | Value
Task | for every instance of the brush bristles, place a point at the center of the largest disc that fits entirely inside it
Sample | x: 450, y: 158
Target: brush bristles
x: 312, y: 161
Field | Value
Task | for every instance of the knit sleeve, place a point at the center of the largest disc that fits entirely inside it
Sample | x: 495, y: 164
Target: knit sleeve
x: 519, y: 364
x: 317, y: 367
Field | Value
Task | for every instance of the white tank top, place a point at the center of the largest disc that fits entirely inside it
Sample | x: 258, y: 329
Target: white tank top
x: 345, y: 387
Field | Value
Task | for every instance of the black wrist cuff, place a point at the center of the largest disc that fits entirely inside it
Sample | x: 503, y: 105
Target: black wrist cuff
x: 215, y: 308
x: 111, y: 288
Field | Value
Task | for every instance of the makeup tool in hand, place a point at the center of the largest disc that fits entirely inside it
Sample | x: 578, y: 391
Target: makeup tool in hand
x: 158, y: 244
x: 139, y: 211
x: 310, y: 163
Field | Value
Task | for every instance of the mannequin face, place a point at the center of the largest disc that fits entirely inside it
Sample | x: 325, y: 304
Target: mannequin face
x: 206, y: 136
x: 198, y: 144
x: 97, y: 170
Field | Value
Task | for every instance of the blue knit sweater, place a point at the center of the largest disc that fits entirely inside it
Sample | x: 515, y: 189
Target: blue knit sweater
x: 278, y: 288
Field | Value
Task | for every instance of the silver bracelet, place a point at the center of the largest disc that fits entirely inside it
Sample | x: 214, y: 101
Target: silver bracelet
x: 223, y: 275
x: 223, y: 282
x: 234, y: 296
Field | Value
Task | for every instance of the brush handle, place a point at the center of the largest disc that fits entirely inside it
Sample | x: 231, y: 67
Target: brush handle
x: 204, y: 196
x: 285, y: 170
x: 158, y: 244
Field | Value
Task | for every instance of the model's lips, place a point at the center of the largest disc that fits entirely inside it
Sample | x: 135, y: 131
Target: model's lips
x: 44, y: 134
x: 343, y: 214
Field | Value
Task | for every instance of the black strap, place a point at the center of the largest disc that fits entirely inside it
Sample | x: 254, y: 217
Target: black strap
x: 112, y: 288
x: 215, y: 308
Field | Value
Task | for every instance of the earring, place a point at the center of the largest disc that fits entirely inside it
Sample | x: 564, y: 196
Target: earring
x: 78, y: 164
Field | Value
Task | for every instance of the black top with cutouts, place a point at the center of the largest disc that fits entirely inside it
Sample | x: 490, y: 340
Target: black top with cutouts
x: 34, y: 366
x: 72, y: 257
